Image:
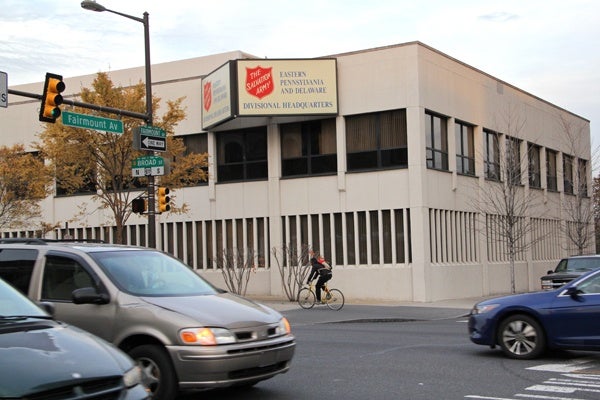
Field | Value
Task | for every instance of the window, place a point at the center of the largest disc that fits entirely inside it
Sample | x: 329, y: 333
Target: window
x: 491, y: 155
x: 513, y: 160
x: 568, y: 173
x: 242, y: 155
x: 16, y: 267
x: 61, y: 276
x: 308, y: 148
x: 465, y: 149
x: 551, y: 180
x: 377, y: 140
x: 534, y: 168
x: 436, y: 132
x: 196, y: 144
x: 87, y: 185
x: 582, y: 177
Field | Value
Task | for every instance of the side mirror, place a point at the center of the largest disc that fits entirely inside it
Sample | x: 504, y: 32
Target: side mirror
x: 89, y: 295
x: 549, y: 272
x: 573, y: 291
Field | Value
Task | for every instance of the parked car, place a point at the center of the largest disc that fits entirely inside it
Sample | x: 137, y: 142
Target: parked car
x: 41, y: 358
x: 524, y: 325
x: 569, y: 269
x: 184, y: 332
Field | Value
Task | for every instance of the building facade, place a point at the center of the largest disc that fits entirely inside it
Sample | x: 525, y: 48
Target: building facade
x: 396, y: 187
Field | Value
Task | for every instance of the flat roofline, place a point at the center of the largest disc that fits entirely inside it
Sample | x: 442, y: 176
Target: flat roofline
x: 417, y: 43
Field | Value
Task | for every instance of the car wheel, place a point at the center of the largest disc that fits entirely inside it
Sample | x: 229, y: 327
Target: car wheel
x: 521, y: 337
x: 158, y: 373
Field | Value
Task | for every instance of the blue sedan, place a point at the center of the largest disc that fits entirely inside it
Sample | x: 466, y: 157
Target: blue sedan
x: 525, y: 325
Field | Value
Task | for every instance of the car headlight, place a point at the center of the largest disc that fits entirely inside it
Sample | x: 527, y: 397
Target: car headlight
x: 483, y: 308
x: 132, y: 377
x: 284, y: 327
x: 206, y: 336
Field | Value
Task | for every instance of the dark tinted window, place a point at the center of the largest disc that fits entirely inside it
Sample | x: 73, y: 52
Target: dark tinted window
x: 242, y: 155
x: 62, y: 275
x: 16, y: 267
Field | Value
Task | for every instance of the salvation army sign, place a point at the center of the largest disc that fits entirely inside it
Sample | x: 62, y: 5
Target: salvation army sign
x: 259, y: 87
x: 287, y: 87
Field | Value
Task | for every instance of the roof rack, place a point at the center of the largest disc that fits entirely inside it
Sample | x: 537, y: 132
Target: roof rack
x: 23, y: 240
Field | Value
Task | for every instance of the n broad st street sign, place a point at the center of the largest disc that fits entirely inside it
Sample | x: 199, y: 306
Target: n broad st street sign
x: 91, y: 122
x: 149, y: 138
x: 148, y: 166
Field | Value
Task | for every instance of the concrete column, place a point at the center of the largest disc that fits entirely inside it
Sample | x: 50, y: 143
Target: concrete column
x: 419, y: 205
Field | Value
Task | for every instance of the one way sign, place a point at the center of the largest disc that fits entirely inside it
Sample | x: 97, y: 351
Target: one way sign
x: 149, y: 138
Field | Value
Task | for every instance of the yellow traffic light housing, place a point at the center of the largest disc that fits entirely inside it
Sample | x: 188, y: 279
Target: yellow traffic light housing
x: 51, y: 98
x: 163, y: 199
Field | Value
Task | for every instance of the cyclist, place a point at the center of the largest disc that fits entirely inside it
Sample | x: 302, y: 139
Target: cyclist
x: 320, y: 268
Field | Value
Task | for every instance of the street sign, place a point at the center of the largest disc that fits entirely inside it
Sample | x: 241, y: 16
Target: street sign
x: 149, y: 138
x: 148, y: 166
x: 3, y: 89
x: 91, y: 122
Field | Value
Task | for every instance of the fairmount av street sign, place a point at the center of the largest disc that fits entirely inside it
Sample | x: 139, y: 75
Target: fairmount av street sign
x: 149, y: 138
x: 91, y: 122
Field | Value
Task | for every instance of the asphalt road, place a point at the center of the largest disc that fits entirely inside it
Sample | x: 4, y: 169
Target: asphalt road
x: 406, y: 352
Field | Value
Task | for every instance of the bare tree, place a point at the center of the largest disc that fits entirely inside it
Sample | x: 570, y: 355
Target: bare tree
x: 575, y: 203
x: 505, y: 201
x: 293, y: 268
x: 236, y: 266
x: 596, y: 209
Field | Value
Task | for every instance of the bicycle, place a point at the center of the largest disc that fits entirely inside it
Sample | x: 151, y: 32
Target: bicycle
x: 332, y: 298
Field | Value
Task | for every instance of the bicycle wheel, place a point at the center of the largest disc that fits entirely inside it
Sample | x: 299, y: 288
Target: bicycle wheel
x: 306, y: 298
x: 336, y: 302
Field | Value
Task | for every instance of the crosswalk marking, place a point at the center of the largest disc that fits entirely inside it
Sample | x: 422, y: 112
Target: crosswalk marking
x: 570, y: 382
x: 572, y: 366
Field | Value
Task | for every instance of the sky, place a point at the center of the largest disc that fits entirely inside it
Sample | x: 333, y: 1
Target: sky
x: 549, y: 48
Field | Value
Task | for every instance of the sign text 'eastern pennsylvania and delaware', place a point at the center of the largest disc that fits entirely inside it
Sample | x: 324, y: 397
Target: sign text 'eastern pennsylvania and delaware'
x: 269, y: 88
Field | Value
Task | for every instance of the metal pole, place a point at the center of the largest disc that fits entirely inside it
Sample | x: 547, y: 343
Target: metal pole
x: 93, y: 6
x: 149, y: 118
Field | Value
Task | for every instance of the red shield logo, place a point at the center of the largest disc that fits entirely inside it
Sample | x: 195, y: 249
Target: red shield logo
x: 207, y: 100
x: 259, y: 81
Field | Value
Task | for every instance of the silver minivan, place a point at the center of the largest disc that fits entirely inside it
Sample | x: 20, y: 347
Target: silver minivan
x: 183, y: 332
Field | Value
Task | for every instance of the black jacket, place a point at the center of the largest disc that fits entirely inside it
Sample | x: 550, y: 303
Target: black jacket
x: 317, y: 269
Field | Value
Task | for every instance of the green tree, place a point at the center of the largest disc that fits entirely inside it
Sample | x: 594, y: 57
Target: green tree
x: 99, y: 163
x: 24, y: 182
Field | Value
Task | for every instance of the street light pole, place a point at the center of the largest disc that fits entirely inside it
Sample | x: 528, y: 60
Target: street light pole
x: 93, y: 6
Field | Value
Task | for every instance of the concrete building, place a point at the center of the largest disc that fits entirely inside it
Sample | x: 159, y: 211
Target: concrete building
x: 392, y: 178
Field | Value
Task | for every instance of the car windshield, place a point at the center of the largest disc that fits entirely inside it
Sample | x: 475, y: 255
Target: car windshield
x: 582, y: 264
x: 151, y: 273
x: 14, y: 304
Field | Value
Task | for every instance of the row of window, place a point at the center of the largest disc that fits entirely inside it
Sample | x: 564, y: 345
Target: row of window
x: 496, y: 166
x: 376, y: 141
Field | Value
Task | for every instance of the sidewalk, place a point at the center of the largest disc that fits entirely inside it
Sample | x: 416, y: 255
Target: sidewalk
x: 370, y: 311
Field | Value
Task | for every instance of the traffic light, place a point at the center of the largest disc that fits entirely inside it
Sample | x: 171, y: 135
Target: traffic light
x: 138, y: 205
x: 163, y: 199
x: 51, y: 98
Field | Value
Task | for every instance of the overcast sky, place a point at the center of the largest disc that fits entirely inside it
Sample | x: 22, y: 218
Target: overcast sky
x: 550, y: 48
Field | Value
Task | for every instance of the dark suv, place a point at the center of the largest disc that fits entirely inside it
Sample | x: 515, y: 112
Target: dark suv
x: 182, y: 331
x: 569, y: 269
